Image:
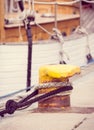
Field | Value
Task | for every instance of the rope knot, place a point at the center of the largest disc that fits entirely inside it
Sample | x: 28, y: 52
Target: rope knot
x: 11, y: 106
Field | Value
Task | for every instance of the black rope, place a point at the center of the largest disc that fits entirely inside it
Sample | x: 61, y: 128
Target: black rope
x: 29, y: 96
x: 12, y: 106
x: 51, y: 93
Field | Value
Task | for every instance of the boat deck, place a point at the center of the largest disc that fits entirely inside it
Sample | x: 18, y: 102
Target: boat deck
x: 42, y: 27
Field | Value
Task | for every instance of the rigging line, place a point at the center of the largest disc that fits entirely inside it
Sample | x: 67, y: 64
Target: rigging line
x: 29, y: 2
x: 44, y: 96
x: 33, y: 7
x: 80, y: 13
x: 87, y: 1
x: 20, y: 34
x: 56, y: 7
x: 38, y: 86
x: 43, y: 28
x: 58, y: 3
x: 55, y: 3
x: 68, y: 3
x: 14, y: 93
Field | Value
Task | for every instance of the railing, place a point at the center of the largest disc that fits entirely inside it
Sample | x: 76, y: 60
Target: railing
x: 46, y: 3
x: 56, y: 4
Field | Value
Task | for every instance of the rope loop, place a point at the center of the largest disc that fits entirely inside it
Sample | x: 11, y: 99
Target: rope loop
x: 11, y: 106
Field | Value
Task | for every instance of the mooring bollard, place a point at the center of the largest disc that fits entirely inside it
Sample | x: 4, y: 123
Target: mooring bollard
x: 56, y: 76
